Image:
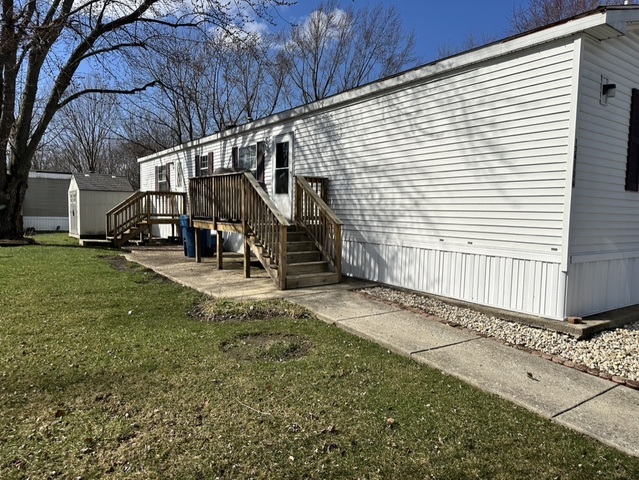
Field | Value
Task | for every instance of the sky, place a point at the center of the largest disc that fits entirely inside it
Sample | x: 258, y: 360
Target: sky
x: 436, y: 23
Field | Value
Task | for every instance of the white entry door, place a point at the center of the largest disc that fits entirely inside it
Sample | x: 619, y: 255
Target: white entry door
x: 282, y: 162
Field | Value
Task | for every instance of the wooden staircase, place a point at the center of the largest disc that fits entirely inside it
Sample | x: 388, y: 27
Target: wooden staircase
x: 305, y: 266
x: 136, y: 231
x: 304, y: 254
x: 135, y: 216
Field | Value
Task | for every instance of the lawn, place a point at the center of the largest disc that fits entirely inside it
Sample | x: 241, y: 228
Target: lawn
x: 110, y: 371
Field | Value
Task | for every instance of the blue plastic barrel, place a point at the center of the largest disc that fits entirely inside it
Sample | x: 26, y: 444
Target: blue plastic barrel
x: 207, y: 241
x: 188, y: 236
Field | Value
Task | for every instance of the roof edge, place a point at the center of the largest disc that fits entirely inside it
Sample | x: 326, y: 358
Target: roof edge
x: 611, y: 18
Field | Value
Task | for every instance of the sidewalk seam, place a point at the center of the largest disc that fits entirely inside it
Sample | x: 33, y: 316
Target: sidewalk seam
x: 443, y: 346
x: 582, y: 402
x: 361, y: 316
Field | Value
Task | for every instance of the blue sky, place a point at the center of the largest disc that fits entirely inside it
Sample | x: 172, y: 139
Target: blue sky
x: 436, y: 23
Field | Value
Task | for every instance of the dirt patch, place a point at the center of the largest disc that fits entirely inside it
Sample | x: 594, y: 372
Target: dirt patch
x: 270, y: 347
x: 121, y: 264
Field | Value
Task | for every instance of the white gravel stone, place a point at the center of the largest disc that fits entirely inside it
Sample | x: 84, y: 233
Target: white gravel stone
x: 614, y: 351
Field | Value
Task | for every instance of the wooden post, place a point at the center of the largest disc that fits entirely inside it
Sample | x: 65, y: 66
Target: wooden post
x: 298, y: 201
x: 282, y: 254
x: 218, y: 250
x: 244, y: 211
x: 198, y: 250
x: 247, y: 258
x: 338, y: 252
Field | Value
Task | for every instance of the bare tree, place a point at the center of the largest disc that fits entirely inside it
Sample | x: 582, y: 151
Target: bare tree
x: 337, y: 49
x: 539, y: 13
x: 44, y: 46
x: 84, y: 131
x: 205, y: 84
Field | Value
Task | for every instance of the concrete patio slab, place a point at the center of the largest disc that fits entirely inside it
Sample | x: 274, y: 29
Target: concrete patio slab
x: 612, y: 418
x: 406, y: 333
x: 532, y: 382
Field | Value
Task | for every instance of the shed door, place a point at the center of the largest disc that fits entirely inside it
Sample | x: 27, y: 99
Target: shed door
x: 283, y: 174
x: 73, y: 212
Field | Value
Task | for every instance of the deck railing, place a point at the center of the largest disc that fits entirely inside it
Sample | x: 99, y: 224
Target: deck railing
x: 314, y: 215
x: 201, y: 197
x: 239, y: 198
x: 144, y: 206
x: 320, y: 185
x: 262, y: 218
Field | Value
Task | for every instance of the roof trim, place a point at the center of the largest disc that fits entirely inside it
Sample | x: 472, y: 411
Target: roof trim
x: 602, y: 23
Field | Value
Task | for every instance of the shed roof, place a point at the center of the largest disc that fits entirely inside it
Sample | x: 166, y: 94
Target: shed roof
x: 102, y: 183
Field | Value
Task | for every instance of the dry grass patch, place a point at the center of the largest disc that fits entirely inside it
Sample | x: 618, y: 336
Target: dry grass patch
x: 273, y: 347
x: 224, y: 310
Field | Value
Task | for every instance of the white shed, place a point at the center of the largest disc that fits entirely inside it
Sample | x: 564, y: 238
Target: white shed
x: 91, y: 195
x: 505, y: 176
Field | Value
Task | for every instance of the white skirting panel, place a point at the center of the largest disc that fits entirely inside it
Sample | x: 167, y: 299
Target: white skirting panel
x: 595, y: 287
x: 46, y: 224
x: 527, y: 286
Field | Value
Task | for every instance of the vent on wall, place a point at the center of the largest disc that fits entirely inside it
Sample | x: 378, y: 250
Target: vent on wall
x: 606, y: 90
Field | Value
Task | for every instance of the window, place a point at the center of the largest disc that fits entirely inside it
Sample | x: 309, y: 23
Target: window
x: 250, y: 158
x: 180, y: 175
x: 204, y: 166
x: 632, y: 165
x: 247, y: 159
x: 162, y: 178
x: 281, y: 167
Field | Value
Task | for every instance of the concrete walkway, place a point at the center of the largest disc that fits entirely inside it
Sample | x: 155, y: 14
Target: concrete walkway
x: 582, y: 402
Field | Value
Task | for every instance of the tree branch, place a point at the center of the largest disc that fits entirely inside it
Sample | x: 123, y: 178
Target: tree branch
x: 86, y: 91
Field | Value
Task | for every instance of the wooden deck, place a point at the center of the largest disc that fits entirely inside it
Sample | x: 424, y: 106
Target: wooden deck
x: 305, y: 253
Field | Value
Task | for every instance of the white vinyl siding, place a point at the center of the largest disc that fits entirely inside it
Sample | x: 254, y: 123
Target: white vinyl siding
x: 479, y: 157
x: 604, y: 240
x: 455, y: 186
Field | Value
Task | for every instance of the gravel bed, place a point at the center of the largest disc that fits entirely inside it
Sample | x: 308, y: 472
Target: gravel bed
x: 615, y: 352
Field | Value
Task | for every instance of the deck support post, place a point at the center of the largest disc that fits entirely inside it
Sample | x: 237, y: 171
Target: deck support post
x: 247, y: 258
x: 218, y: 249
x: 198, y: 250
x: 247, y: 252
x: 282, y: 257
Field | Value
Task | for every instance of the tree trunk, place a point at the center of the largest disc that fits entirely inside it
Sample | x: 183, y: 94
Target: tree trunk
x: 11, y: 200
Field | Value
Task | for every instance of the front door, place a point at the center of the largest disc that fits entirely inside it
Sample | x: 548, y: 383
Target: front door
x: 283, y: 174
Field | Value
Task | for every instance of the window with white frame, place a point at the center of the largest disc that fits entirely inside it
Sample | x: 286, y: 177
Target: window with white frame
x: 247, y: 158
x: 180, y: 175
x: 204, y: 166
x: 281, y: 167
x: 163, y: 179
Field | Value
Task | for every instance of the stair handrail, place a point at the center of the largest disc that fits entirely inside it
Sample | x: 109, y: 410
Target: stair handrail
x: 320, y: 223
x: 140, y: 206
x: 124, y: 214
x: 261, y: 218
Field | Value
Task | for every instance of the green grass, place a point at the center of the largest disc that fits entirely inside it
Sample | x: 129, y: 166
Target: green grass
x: 104, y: 374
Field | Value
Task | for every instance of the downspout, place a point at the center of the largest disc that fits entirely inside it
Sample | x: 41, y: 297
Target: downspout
x: 571, y: 158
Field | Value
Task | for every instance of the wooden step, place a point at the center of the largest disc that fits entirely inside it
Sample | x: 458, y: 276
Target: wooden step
x: 303, y: 257
x: 307, y: 267
x: 311, y: 280
x: 297, y: 236
x: 301, y: 246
